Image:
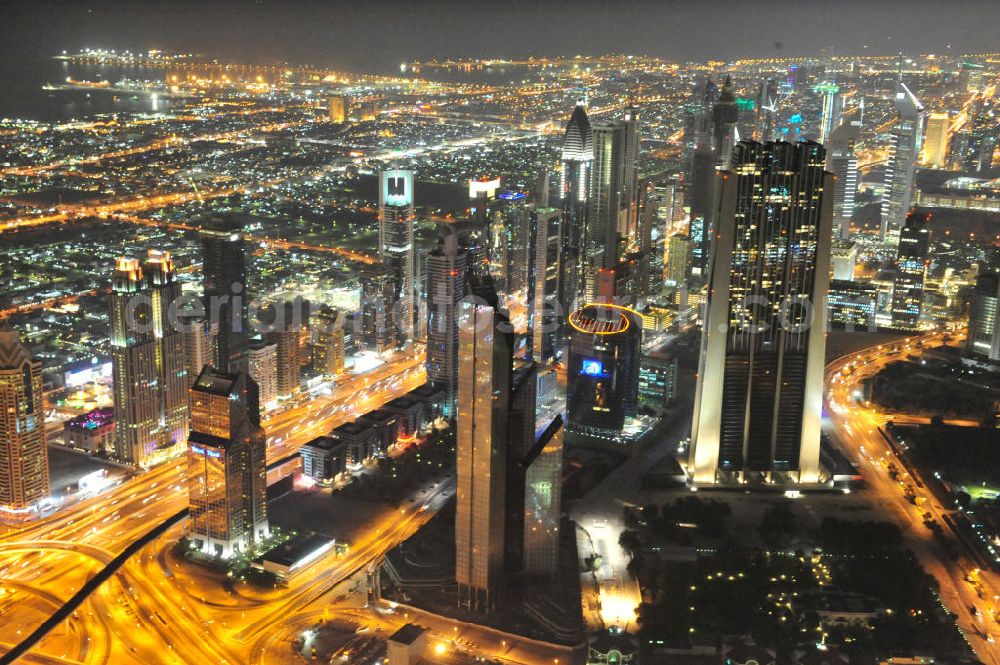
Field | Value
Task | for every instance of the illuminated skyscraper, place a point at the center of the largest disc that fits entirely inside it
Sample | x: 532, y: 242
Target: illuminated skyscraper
x: 602, y: 372
x: 396, y: 216
x: 911, y: 268
x: 263, y: 361
x: 447, y: 266
x: 904, y: 150
x: 833, y: 106
x: 484, y: 386
x: 678, y: 256
x: 337, y: 108
x: 24, y: 458
x: 327, y: 352
x: 701, y: 194
x: 936, y: 144
x: 725, y: 115
x: 843, y: 256
x: 545, y: 311
x: 843, y: 164
x: 133, y: 360
x: 148, y: 361
x: 984, y: 315
x: 543, y: 502
x: 516, y: 220
x: 227, y: 462
x: 574, y: 190
x: 760, y: 379
x: 227, y: 482
x: 612, y: 210
x: 379, y: 293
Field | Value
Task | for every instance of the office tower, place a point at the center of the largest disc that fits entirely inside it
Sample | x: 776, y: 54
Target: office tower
x: 725, y: 115
x: 767, y: 110
x: 483, y: 206
x: 602, y: 373
x: 395, y: 241
x: 484, y: 380
x: 843, y: 256
x: 199, y: 343
x: 133, y: 360
x: 545, y: 311
x: 970, y: 77
x: 24, y: 458
x: 701, y: 194
x: 984, y: 334
x: 543, y: 502
x: 911, y: 268
x: 379, y: 293
x: 263, y: 361
x: 574, y: 186
x: 833, y: 106
x: 979, y: 136
x: 521, y: 418
x: 227, y: 482
x: 447, y: 266
x: 852, y: 305
x: 336, y: 106
x: 516, y: 220
x: 843, y: 164
x: 288, y: 359
x: 327, y: 347
x: 227, y: 461
x: 678, y: 255
x: 628, y: 211
x: 601, y: 240
x: 936, y: 143
x: 171, y: 371
x: 224, y: 282
x: 760, y: 378
x: 698, y: 122
x: 904, y: 150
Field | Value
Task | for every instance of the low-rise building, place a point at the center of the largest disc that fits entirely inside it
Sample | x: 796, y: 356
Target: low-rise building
x: 324, y: 458
x: 91, y: 432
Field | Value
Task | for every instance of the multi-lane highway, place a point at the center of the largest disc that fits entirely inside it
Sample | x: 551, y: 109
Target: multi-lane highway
x: 856, y: 428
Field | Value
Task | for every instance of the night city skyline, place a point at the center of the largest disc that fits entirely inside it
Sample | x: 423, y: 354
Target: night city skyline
x: 560, y: 333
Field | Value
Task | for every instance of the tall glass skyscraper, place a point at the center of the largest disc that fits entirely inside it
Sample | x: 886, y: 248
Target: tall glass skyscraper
x: 760, y: 380
x: 395, y: 234
x: 904, y: 151
x: 574, y: 190
x: 911, y: 269
x: 843, y: 164
x: 485, y: 357
x: 447, y: 266
x: 24, y: 458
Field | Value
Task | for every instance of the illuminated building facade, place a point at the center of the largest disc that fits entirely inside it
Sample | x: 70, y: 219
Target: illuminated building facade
x: 92, y: 432
x: 602, y: 372
x: 760, y: 379
x: 725, y: 115
x: 24, y: 458
x: 336, y: 107
x: 484, y: 386
x: 701, y: 195
x: 327, y: 349
x: 227, y: 482
x: 263, y: 361
x: 678, y: 257
x: 657, y: 379
x: 514, y: 263
x: 545, y: 311
x: 574, y: 189
x: 379, y: 294
x: 148, y: 361
x: 904, y: 151
x: 396, y: 216
x: 843, y: 164
x: 852, y: 305
x: 844, y: 256
x: 936, y: 142
x: 447, y: 265
x: 833, y: 106
x: 984, y: 334
x: 543, y: 502
x: 911, y: 269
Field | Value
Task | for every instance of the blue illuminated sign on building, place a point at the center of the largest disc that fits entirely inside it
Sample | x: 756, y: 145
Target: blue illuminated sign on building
x: 592, y: 368
x: 512, y: 196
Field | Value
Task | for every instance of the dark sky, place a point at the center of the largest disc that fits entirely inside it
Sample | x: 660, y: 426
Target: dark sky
x: 378, y: 34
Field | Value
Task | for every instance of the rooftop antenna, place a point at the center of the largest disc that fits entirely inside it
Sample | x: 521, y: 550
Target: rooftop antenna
x: 899, y: 67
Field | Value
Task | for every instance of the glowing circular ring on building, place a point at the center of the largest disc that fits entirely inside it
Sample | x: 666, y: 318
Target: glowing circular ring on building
x: 577, y: 321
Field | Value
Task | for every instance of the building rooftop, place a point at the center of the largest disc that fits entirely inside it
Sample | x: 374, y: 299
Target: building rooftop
x: 299, y: 550
x: 408, y: 634
x: 323, y: 442
x: 92, y: 419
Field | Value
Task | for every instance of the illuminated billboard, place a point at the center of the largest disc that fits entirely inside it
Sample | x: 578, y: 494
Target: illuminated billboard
x: 592, y: 368
x: 484, y: 187
x: 396, y: 187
